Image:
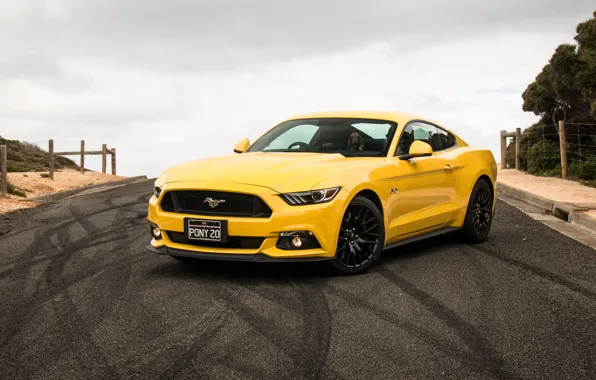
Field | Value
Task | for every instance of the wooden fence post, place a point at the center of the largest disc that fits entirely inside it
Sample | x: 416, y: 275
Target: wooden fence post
x: 563, y: 145
x: 82, y: 157
x: 104, y: 158
x: 503, y: 150
x: 51, y: 150
x: 517, y: 148
x: 113, y: 161
x: 3, y: 164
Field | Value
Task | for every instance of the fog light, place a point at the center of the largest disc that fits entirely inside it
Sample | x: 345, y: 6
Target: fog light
x: 297, y: 242
x: 155, y: 231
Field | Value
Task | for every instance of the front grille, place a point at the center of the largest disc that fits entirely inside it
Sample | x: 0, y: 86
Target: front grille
x: 234, y: 242
x: 194, y: 202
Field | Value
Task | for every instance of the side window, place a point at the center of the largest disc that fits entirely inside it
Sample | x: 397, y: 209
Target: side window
x: 418, y: 131
x: 300, y: 133
x: 447, y: 140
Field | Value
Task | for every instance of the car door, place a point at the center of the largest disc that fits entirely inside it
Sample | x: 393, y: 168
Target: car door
x: 424, y: 187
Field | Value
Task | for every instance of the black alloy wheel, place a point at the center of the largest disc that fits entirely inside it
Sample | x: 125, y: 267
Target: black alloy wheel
x: 479, y: 214
x: 482, y: 211
x: 361, y: 237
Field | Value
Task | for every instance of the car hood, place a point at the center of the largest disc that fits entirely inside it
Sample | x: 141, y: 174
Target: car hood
x: 281, y: 172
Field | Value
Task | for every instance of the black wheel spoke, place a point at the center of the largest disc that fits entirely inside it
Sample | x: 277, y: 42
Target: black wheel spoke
x: 482, y: 211
x: 370, y: 220
x: 370, y: 228
x: 359, y: 236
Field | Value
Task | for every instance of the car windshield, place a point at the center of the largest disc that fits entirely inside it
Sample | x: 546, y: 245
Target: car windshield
x: 347, y: 136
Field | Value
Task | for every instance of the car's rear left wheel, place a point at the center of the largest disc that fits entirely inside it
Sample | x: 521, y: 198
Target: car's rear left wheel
x: 479, y: 214
x: 361, y: 238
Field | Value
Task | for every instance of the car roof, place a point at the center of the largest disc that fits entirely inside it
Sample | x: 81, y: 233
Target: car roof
x: 399, y: 117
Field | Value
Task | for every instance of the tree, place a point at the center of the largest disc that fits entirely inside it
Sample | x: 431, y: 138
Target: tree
x: 586, y: 77
x: 565, y: 89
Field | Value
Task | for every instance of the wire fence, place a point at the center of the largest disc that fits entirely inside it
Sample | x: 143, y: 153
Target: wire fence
x: 542, y: 151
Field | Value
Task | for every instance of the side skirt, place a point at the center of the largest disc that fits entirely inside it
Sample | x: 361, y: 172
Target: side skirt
x: 427, y: 235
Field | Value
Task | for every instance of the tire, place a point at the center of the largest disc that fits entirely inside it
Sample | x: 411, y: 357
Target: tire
x: 184, y: 259
x: 479, y: 214
x: 361, y: 238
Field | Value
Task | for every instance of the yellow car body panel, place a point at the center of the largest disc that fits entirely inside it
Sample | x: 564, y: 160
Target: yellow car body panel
x: 416, y: 196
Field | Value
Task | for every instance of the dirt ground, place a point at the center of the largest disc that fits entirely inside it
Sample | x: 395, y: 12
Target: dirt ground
x: 34, y: 185
x: 557, y: 189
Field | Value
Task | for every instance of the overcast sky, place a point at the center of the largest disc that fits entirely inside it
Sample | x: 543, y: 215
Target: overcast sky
x: 169, y: 81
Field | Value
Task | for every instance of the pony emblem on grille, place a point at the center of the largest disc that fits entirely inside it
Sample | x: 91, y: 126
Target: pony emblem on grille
x: 213, y: 203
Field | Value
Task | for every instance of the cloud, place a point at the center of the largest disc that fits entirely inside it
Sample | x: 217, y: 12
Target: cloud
x: 166, y: 82
x: 205, y: 34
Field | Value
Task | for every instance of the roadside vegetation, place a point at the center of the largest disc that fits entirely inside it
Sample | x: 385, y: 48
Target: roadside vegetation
x: 27, y: 157
x: 565, y: 89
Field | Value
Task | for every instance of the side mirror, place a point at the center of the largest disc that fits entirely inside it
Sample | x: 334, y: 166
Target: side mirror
x: 241, y: 146
x: 418, y: 149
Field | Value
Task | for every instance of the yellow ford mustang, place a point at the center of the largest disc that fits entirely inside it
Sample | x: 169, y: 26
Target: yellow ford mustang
x: 335, y: 186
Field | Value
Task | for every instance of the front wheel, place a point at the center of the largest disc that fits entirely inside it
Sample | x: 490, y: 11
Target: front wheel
x: 479, y: 214
x: 361, y: 238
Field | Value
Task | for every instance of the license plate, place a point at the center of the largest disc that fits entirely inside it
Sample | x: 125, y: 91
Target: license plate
x: 206, y: 230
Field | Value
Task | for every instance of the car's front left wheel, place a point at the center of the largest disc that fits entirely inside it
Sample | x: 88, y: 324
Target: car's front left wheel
x: 361, y: 238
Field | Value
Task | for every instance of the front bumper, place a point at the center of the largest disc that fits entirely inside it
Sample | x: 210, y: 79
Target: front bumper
x: 257, y: 257
x: 323, y: 220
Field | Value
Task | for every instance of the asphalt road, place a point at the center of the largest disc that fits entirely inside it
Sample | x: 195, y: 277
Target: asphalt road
x: 82, y: 299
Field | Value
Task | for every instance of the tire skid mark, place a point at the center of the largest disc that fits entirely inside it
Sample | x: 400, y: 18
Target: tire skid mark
x: 262, y: 325
x: 312, y: 307
x: 83, y: 220
x: 229, y: 363
x: 119, y: 280
x: 25, y: 267
x: 75, y: 330
x: 277, y: 297
x: 316, y: 330
x: 445, y: 346
x: 486, y: 300
x: 483, y: 351
x: 201, y: 341
x: 77, y: 279
x: 294, y: 350
x: 40, y: 222
x: 25, y: 308
x: 67, y: 308
x: 17, y: 309
x: 542, y: 273
x: 54, y: 352
x: 388, y: 355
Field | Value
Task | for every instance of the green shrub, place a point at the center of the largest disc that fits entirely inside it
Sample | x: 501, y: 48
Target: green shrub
x: 585, y: 170
x: 15, y: 190
x: 543, y: 157
x: 44, y: 175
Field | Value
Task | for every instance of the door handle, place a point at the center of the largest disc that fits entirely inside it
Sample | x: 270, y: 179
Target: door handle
x: 449, y: 167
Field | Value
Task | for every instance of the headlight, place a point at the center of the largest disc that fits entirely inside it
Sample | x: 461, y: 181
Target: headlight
x: 310, y: 197
x: 156, y: 191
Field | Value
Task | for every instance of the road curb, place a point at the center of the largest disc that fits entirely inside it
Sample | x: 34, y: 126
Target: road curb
x: 67, y: 193
x: 564, y: 211
x: 583, y: 220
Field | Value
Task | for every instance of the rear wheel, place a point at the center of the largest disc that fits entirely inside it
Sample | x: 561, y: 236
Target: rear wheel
x: 479, y: 214
x: 361, y: 238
